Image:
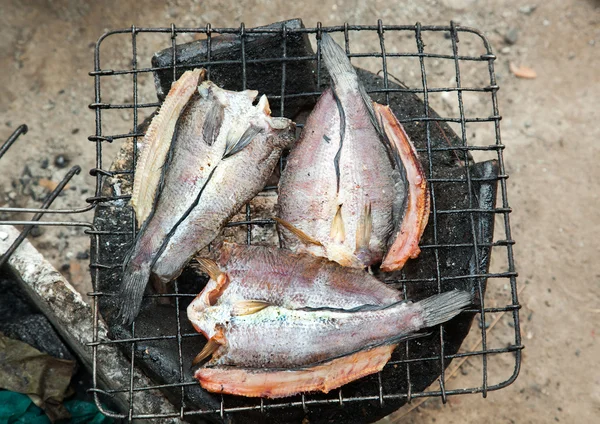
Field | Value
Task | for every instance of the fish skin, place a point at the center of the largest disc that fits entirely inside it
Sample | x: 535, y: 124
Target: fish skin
x: 208, y: 174
x: 318, y: 321
x: 404, y: 244
x: 155, y: 146
x: 287, y: 279
x: 291, y: 338
x: 345, y: 157
x: 277, y: 384
x: 320, y: 349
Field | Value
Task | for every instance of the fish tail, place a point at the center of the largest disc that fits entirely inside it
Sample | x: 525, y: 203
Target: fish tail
x: 135, y: 278
x: 337, y: 63
x: 344, y: 75
x: 442, y: 307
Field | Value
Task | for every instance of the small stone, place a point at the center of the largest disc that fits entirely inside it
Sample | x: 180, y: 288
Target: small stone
x: 527, y: 124
x: 61, y: 161
x: 571, y: 55
x: 44, y: 163
x: 458, y: 4
x: 511, y: 36
x: 36, y: 231
x: 546, y: 22
x: 505, y: 50
x: 49, y: 106
x: 592, y: 42
x: 65, y: 267
x: 3, y: 235
x: 83, y: 255
x: 528, y: 9
x: 74, y: 130
x: 577, y: 352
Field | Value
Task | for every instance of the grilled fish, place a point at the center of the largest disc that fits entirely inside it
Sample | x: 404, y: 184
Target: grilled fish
x: 280, y: 323
x: 280, y: 277
x: 353, y: 188
x: 194, y: 175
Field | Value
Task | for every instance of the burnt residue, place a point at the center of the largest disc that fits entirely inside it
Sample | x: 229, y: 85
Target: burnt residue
x: 160, y: 358
x: 264, y: 77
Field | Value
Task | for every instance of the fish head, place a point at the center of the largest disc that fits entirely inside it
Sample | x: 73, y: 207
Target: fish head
x: 204, y: 317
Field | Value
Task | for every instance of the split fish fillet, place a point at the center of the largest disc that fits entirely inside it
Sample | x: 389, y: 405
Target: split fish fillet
x: 280, y: 323
x: 198, y: 168
x: 353, y: 189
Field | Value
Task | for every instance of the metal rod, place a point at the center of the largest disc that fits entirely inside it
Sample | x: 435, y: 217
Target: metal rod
x: 21, y: 129
x: 51, y: 197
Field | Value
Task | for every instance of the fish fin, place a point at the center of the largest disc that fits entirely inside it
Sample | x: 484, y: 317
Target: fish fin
x: 131, y: 291
x: 337, y: 63
x: 212, y: 123
x: 343, y: 74
x: 209, y: 348
x: 365, y: 228
x: 248, y: 307
x: 304, y: 238
x: 263, y: 105
x: 338, y: 231
x: 442, y: 307
x: 209, y: 267
x: 234, y: 145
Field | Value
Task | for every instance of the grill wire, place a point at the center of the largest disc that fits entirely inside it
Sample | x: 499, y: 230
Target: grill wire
x: 512, y: 352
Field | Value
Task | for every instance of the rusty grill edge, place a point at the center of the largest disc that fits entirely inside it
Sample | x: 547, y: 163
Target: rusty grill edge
x: 337, y: 397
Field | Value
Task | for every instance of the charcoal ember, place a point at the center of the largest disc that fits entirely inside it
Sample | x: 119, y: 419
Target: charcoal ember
x: 265, y: 77
x: 20, y: 320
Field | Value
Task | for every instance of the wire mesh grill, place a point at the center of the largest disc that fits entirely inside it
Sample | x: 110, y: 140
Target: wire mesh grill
x: 382, y: 57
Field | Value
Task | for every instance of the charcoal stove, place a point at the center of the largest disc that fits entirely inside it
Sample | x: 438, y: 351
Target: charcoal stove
x: 456, y: 247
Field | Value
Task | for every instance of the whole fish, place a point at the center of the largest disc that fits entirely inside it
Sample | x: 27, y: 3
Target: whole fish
x: 353, y: 189
x: 198, y: 168
x: 280, y: 323
x: 272, y: 276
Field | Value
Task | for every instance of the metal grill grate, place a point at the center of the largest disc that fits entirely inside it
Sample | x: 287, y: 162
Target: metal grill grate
x: 377, y: 394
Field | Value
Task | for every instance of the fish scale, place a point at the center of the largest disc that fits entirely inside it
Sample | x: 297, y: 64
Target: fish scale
x: 260, y: 333
x: 350, y: 171
x: 220, y: 154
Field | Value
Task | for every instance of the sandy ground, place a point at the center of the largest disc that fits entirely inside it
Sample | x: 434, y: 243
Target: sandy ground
x: 549, y: 127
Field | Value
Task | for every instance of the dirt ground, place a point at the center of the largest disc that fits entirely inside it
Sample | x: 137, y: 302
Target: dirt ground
x: 550, y: 129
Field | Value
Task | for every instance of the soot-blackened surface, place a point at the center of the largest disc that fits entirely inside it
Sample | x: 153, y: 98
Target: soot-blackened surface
x: 264, y: 77
x: 160, y: 359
